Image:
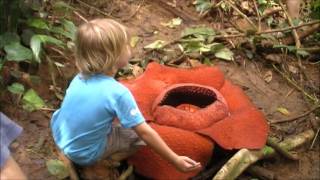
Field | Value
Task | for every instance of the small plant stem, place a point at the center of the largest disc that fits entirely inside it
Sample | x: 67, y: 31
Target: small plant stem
x: 258, y: 15
x: 281, y: 150
x: 80, y: 16
x: 297, y: 117
x: 289, y: 28
x: 94, y: 8
x: 294, y: 31
x: 241, y: 14
x: 315, y: 138
x: 314, y: 99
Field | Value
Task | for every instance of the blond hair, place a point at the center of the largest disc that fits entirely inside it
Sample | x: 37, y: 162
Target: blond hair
x: 99, y: 44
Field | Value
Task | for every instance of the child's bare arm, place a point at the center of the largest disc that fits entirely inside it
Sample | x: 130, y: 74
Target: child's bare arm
x: 152, y: 138
x: 11, y: 170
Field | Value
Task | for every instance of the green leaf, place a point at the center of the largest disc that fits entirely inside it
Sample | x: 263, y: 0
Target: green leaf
x: 283, y: 111
x: 215, y: 47
x: 225, y: 54
x: 17, y: 52
x: 262, y: 2
x: 198, y: 46
x: 296, y: 22
x: 158, y: 44
x: 290, y: 48
x: 16, y: 88
x: 36, y: 42
x: 57, y: 168
x: 195, y: 46
x: 268, y: 36
x: 198, y: 31
x: 38, y: 23
x: 302, y: 53
x: 70, y: 29
x: 60, y: 5
x: 190, y: 39
x: 26, y: 36
x: 202, y: 5
x: 249, y: 54
x: 35, y: 45
x: 134, y: 41
x: 315, y: 9
x: 1, y: 63
x: 8, y: 38
x: 173, y: 23
x: 207, y: 61
x: 270, y: 21
x: 31, y: 101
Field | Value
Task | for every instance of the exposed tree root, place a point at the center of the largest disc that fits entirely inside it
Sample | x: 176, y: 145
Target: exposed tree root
x: 245, y: 158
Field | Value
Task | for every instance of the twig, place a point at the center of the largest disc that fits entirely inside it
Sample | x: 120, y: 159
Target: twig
x: 258, y: 14
x: 80, y: 16
x: 244, y: 35
x: 52, y: 72
x: 94, y: 8
x: 127, y: 173
x: 289, y: 40
x: 296, y: 39
x: 201, y: 15
x: 281, y: 150
x: 297, y: 117
x: 289, y: 28
x: 294, y: 32
x: 244, y: 157
x: 311, y: 49
x: 241, y: 14
x: 134, y: 13
x: 47, y: 109
x: 315, y: 138
x: 58, y: 51
x: 317, y: 22
x: 314, y: 99
x: 306, y: 32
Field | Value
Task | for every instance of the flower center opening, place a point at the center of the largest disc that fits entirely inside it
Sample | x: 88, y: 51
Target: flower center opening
x: 188, y: 94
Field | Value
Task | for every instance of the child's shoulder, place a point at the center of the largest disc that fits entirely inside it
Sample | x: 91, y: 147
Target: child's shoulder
x: 109, y: 85
x: 98, y: 83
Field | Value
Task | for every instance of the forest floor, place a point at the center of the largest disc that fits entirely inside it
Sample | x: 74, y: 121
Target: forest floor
x: 35, y: 146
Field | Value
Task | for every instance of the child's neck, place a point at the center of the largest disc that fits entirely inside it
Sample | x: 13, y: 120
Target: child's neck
x: 111, y: 74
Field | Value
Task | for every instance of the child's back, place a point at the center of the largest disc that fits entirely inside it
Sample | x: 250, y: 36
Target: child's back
x: 85, y: 118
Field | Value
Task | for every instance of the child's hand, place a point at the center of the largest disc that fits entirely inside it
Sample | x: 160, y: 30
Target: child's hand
x: 185, y: 164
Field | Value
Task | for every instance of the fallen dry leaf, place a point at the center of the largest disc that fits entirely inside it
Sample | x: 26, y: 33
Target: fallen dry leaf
x: 194, y: 63
x: 137, y: 70
x: 246, y: 6
x: 283, y: 111
x: 274, y: 58
x: 293, y: 69
x: 267, y: 76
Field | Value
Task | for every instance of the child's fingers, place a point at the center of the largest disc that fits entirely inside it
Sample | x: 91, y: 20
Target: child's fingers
x: 192, y: 168
x: 192, y: 162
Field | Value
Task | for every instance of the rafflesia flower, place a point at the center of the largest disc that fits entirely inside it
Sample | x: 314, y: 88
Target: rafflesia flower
x: 192, y: 109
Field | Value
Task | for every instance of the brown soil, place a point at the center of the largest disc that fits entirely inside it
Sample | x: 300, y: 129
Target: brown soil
x: 35, y: 145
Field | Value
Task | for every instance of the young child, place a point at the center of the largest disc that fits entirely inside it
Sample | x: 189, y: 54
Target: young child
x: 83, y: 127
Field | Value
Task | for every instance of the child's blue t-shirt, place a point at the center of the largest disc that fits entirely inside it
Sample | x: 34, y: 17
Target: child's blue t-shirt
x: 80, y: 127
